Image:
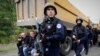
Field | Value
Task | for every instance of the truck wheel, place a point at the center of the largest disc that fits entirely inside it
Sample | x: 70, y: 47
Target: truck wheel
x: 66, y: 46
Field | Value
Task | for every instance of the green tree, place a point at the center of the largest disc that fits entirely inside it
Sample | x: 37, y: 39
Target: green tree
x: 7, y: 20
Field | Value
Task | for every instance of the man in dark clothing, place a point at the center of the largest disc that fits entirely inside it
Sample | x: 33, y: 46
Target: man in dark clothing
x: 95, y: 38
x: 79, y: 35
x: 29, y: 44
x: 52, y: 31
x: 32, y: 43
x: 19, y: 43
x: 26, y: 45
x: 22, y: 35
x: 88, y: 39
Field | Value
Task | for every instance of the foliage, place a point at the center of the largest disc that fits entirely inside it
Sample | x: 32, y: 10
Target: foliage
x: 7, y: 20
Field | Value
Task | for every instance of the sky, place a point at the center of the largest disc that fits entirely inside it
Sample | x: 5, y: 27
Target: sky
x: 90, y: 8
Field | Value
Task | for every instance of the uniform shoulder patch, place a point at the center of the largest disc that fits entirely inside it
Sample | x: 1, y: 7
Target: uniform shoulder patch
x: 58, y: 26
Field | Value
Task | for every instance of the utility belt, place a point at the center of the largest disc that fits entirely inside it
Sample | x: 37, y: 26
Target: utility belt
x: 49, y: 33
x: 55, y: 45
x: 52, y: 44
x: 79, y: 36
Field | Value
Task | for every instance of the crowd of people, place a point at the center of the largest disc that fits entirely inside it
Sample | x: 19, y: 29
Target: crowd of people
x: 53, y: 32
x: 26, y: 43
x: 83, y: 37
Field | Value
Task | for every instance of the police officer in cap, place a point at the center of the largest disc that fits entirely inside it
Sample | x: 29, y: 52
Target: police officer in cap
x: 88, y: 39
x: 79, y: 35
x: 52, y: 30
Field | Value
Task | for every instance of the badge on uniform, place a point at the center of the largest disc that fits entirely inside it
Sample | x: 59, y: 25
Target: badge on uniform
x: 58, y: 26
x: 49, y: 26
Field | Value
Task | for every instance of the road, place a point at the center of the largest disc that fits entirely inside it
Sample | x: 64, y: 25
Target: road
x: 9, y: 53
x: 94, y: 51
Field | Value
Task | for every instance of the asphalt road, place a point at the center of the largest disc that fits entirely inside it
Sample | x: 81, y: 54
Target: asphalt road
x: 94, y: 51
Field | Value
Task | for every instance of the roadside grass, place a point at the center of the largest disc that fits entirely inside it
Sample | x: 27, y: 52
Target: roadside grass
x: 7, y: 47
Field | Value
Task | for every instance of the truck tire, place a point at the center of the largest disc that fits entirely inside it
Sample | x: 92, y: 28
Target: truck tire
x: 66, y: 46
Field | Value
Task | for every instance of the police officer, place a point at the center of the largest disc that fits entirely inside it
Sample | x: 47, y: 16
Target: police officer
x: 52, y: 30
x: 95, y: 38
x: 79, y: 35
x: 88, y: 39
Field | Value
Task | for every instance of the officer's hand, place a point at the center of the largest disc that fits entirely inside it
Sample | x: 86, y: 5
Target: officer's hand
x: 78, y: 41
x: 39, y: 41
x: 74, y: 37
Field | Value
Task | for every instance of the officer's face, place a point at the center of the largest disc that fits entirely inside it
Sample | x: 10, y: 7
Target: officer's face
x: 78, y: 22
x: 50, y: 12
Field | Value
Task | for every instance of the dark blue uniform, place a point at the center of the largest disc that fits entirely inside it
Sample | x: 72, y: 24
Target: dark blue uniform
x: 53, y: 31
x: 81, y: 35
x: 88, y: 40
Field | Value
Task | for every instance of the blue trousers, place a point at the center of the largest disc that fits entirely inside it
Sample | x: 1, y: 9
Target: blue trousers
x: 20, y: 48
x: 78, y: 48
x: 86, y: 46
x: 25, y: 51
